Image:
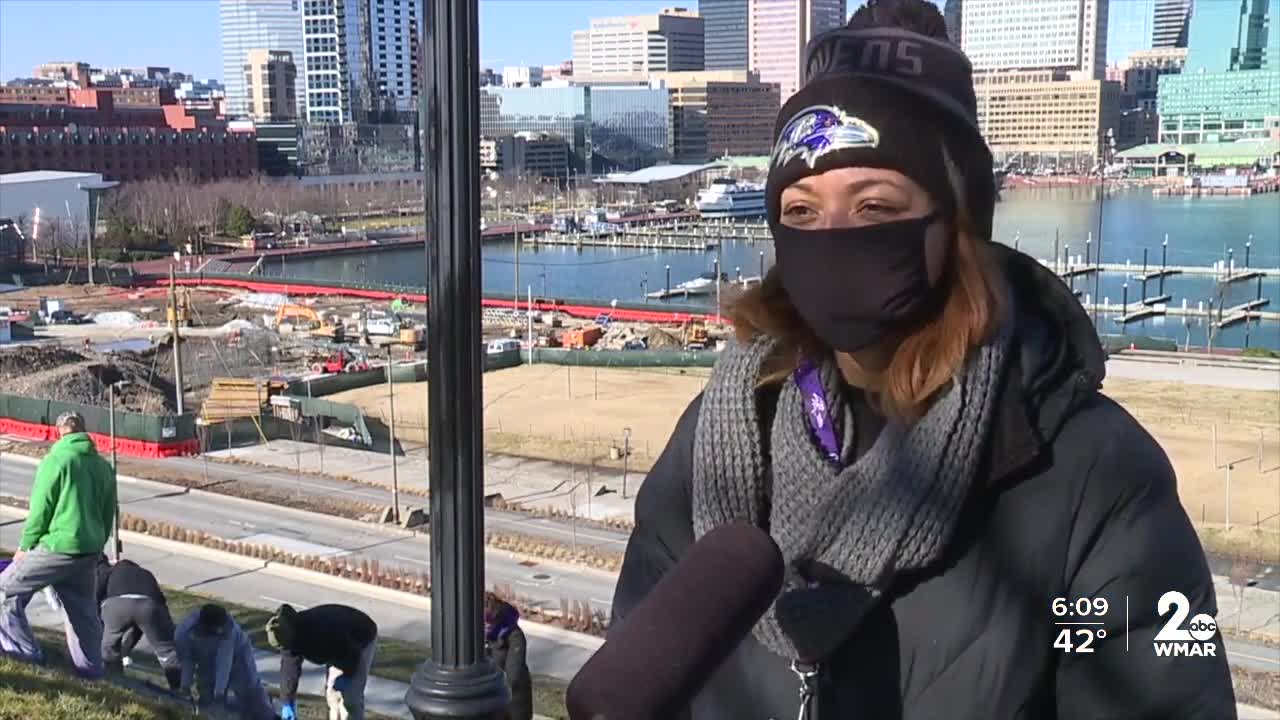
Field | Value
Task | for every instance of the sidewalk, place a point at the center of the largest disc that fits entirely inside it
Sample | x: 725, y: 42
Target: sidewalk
x: 533, y: 483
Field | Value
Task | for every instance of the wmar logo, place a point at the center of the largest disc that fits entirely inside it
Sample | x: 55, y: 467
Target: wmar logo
x: 1173, y: 640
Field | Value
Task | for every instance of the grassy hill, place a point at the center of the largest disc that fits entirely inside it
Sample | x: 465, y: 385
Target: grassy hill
x: 29, y: 692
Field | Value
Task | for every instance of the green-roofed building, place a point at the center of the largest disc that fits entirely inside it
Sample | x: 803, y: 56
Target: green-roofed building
x: 1200, y: 158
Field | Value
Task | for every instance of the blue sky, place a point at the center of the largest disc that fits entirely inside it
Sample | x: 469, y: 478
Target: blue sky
x: 183, y: 34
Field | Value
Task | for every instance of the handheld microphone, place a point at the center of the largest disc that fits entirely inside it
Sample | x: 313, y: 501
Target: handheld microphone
x: 677, y: 637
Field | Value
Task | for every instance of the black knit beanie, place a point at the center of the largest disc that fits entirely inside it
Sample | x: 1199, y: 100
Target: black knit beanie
x: 886, y: 98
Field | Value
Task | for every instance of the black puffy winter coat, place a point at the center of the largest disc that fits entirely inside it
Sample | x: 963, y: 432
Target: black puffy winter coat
x: 1074, y: 501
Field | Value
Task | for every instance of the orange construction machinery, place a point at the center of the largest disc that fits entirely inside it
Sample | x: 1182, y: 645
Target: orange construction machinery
x: 695, y: 334
x: 580, y: 338
x: 305, y: 317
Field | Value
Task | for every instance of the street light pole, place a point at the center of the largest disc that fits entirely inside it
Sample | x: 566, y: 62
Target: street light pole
x: 626, y: 453
x: 111, y: 423
x: 391, y: 406
x: 458, y: 680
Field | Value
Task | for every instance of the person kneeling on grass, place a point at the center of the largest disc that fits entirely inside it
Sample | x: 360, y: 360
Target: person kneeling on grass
x: 216, y: 655
x: 134, y: 606
x: 339, y: 637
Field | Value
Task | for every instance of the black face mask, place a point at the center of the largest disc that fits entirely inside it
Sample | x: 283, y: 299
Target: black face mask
x: 855, y: 286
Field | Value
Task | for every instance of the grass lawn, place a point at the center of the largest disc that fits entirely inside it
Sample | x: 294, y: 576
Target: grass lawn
x: 53, y: 693
x: 28, y: 692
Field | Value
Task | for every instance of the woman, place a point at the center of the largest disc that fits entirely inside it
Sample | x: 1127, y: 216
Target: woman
x: 912, y: 411
x: 505, y: 641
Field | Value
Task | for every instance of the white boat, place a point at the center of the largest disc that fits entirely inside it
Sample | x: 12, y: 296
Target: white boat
x: 704, y: 284
x: 729, y: 198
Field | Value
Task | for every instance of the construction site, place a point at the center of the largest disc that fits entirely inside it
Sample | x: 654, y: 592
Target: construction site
x: 93, y: 346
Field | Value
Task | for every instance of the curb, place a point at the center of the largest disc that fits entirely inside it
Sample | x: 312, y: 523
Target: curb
x: 535, y: 629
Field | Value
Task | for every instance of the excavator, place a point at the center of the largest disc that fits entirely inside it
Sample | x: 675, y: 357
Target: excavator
x: 317, y: 326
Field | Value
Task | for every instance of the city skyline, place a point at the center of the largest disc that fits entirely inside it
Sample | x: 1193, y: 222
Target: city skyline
x: 130, y: 33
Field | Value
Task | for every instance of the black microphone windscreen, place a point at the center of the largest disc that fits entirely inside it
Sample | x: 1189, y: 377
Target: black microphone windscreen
x: 685, y: 628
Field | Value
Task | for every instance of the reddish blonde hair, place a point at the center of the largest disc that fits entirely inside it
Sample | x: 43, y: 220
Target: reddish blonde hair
x: 925, y: 361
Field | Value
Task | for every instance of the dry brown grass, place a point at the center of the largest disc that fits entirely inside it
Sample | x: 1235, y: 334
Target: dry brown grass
x: 559, y: 413
x: 576, y: 415
x: 1183, y: 418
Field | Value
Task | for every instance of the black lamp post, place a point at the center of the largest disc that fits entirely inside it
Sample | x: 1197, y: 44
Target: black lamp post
x: 458, y: 680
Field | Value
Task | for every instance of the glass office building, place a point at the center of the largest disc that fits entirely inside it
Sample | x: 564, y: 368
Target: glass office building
x: 724, y: 25
x: 1130, y: 27
x: 607, y: 129
x: 258, y: 24
x: 1229, y: 88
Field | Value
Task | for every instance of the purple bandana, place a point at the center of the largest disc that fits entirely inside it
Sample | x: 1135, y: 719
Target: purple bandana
x: 819, y: 416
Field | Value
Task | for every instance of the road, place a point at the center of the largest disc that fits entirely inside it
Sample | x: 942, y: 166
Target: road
x: 541, y: 583
x: 554, y: 530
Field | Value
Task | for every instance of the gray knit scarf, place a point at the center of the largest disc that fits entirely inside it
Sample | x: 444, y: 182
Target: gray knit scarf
x: 845, y: 534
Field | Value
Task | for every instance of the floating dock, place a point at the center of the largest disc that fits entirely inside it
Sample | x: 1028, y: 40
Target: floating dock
x: 622, y: 241
x: 1242, y: 312
x: 1141, y: 312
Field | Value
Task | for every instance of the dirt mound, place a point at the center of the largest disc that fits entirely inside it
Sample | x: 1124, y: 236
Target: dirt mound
x: 59, y: 373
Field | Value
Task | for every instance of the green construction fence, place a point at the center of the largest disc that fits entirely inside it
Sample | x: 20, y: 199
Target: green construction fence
x: 129, y: 425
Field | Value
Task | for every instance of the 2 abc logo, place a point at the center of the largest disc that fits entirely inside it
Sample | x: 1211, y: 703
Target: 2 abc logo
x: 1193, y: 641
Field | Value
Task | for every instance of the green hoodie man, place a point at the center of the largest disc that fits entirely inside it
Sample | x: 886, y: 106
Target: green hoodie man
x: 73, y: 501
x: 72, y: 509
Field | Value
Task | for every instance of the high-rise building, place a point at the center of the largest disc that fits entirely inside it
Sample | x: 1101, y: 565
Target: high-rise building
x: 725, y: 27
x: 1129, y: 28
x: 1236, y: 35
x: 1060, y: 35
x: 361, y: 58
x: 1143, y: 69
x: 1170, y: 21
x: 249, y: 24
x: 953, y: 13
x: 671, y: 40
x: 1229, y: 88
x: 779, y: 30
x: 715, y: 112
x: 1046, y: 118
x: 606, y: 128
x: 270, y: 79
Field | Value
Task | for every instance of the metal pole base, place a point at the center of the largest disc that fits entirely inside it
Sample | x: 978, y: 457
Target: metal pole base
x: 478, y: 692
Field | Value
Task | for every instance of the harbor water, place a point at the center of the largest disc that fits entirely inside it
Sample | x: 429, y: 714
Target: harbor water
x: 1200, y: 232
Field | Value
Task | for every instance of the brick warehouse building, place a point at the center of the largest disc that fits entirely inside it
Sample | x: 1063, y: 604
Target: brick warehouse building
x: 85, y: 130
